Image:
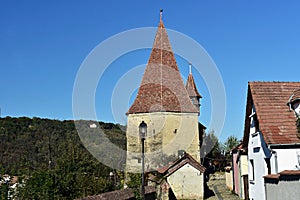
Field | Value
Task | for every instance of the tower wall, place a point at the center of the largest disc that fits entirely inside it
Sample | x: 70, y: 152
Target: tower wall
x: 167, y: 133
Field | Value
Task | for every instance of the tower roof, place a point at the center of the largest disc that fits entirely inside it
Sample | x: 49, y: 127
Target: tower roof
x: 162, y: 88
x: 191, y: 86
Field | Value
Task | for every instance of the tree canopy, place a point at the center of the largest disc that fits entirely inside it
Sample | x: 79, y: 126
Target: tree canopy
x: 49, y: 157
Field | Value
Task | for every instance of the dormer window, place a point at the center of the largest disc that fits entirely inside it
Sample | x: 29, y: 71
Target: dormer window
x: 294, y: 103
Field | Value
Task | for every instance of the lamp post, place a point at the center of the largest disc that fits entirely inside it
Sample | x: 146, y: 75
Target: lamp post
x: 143, y: 134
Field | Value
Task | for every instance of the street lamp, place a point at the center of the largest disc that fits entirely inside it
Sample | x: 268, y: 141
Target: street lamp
x: 143, y: 134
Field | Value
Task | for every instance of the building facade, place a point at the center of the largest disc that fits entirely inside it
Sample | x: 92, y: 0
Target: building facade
x: 270, y: 135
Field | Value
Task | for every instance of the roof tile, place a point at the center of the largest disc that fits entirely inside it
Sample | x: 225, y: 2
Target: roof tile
x: 277, y: 123
x: 162, y: 87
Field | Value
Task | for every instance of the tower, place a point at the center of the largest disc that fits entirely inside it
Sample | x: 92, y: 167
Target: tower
x: 164, y: 104
x: 192, y: 90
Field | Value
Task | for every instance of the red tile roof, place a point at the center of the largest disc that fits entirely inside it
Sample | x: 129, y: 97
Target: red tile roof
x: 283, y: 173
x: 237, y: 147
x: 276, y: 122
x: 162, y: 87
x: 191, y: 87
x: 174, y: 166
x: 272, y: 176
x: 114, y: 195
x: 125, y: 194
x: 290, y: 172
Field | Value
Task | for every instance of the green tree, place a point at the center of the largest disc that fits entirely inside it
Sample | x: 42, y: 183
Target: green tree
x: 231, y: 142
x: 211, y: 147
x: 135, y: 183
x: 3, y: 191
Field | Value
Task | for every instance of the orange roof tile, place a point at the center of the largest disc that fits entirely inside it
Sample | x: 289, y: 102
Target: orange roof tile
x: 191, y: 87
x: 177, y: 164
x: 276, y: 122
x: 162, y: 87
x: 283, y: 173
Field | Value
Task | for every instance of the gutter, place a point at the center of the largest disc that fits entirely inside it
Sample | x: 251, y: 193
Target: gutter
x: 282, y: 145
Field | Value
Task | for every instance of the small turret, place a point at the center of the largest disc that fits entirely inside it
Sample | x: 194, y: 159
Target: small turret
x: 192, y: 90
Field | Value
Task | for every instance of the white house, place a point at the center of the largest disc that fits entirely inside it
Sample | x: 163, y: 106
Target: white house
x: 181, y: 179
x: 270, y: 133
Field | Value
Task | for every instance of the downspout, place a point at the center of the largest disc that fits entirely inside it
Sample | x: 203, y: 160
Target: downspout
x: 276, y: 161
x: 232, y: 170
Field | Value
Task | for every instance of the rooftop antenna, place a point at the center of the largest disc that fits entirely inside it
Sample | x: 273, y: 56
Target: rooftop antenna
x: 190, y: 68
x: 160, y: 13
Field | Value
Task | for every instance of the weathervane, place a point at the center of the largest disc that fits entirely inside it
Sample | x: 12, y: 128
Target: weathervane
x: 160, y: 12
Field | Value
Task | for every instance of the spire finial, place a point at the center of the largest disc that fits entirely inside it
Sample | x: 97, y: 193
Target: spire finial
x: 160, y: 13
x: 190, y: 67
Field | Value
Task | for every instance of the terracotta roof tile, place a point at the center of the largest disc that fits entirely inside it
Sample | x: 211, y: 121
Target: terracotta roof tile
x: 276, y: 122
x: 283, y: 173
x: 113, y: 195
x: 290, y: 172
x: 272, y: 176
x: 191, y: 87
x: 177, y: 164
x: 162, y: 87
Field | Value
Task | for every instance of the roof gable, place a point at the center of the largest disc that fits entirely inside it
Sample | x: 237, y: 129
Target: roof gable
x: 276, y: 122
x: 162, y: 87
x: 176, y: 165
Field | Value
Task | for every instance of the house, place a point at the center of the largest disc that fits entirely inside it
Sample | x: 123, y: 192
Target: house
x: 169, y: 108
x: 181, y: 179
x: 270, y: 133
x: 239, y: 171
x: 229, y: 178
x: 284, y: 185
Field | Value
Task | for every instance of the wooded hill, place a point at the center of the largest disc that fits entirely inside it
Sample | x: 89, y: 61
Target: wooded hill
x: 50, y: 157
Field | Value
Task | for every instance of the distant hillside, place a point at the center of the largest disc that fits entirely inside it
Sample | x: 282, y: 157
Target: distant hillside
x: 50, y: 156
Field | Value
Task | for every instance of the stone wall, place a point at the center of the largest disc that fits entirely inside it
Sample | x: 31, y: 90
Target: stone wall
x: 167, y: 133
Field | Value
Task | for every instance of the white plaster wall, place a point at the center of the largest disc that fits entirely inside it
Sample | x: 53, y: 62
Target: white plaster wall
x: 187, y: 183
x: 256, y: 183
x: 229, y: 181
x: 287, y: 159
x: 243, y: 164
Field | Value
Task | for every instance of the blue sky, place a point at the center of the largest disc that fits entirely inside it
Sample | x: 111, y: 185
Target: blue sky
x: 43, y: 43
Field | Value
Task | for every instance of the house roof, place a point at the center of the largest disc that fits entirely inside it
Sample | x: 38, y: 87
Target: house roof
x: 191, y: 87
x: 162, y: 87
x: 237, y: 147
x: 125, y: 194
x: 283, y: 173
x: 276, y: 122
x: 177, y: 164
